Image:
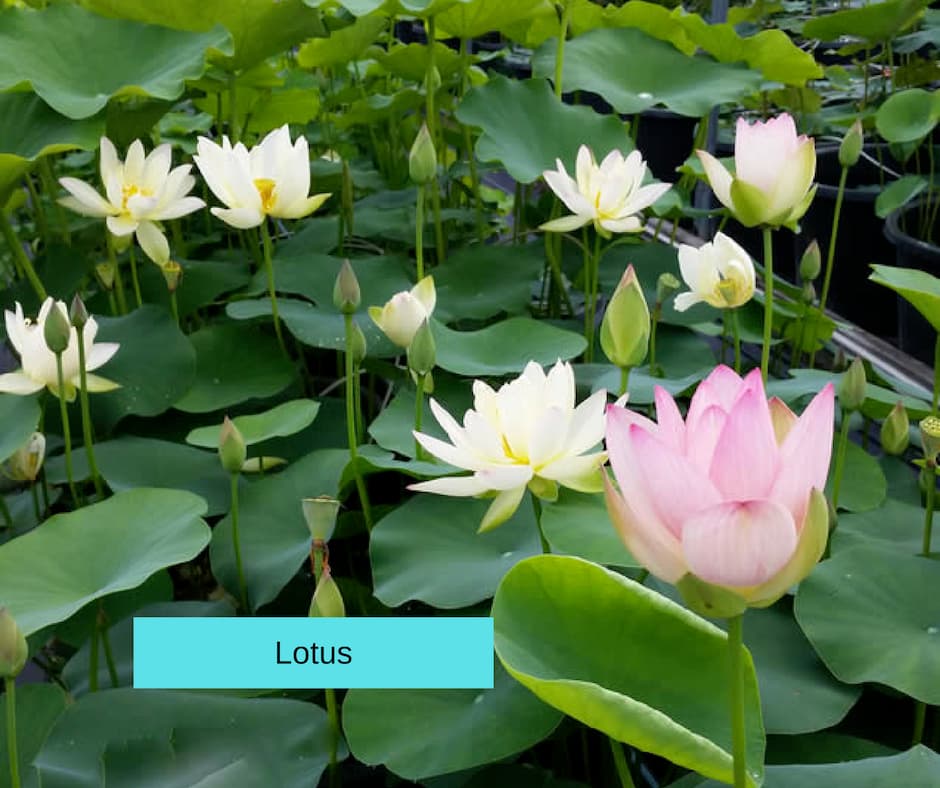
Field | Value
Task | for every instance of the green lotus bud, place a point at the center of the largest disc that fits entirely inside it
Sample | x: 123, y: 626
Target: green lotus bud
x: 811, y: 262
x: 320, y: 514
x: 422, y: 351
x: 78, y: 314
x: 358, y: 344
x: 852, y: 386
x: 172, y: 274
x: 232, y: 451
x: 895, y: 430
x: 105, y: 273
x: 930, y: 438
x: 666, y: 285
x: 346, y: 294
x: 625, y: 330
x: 57, y: 330
x: 422, y: 161
x: 327, y: 600
x: 809, y: 293
x: 13, y: 648
x: 26, y: 461
x: 851, y: 147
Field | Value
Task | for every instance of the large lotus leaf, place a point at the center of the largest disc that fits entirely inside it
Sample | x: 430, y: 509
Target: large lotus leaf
x: 50, y: 573
x: 908, y: 115
x: 343, y: 45
x: 895, y: 525
x: 18, y: 418
x: 258, y: 28
x: 634, y: 72
x: 478, y: 17
x: 429, y: 550
x: 625, y: 660
x: 423, y: 733
x: 103, y: 58
x: 165, y: 739
x: 504, y: 347
x: 282, y: 420
x: 204, y: 281
x: 873, y: 23
x: 869, y: 615
x: 525, y: 127
x: 578, y: 524
x: 38, y: 706
x: 921, y: 289
x: 863, y: 482
x: 410, y: 61
x: 272, y: 532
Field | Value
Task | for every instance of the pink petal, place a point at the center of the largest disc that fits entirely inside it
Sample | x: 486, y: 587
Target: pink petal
x: 702, y: 435
x: 782, y: 417
x: 720, y: 388
x: 739, y: 544
x: 619, y: 420
x: 744, y: 464
x: 669, y: 420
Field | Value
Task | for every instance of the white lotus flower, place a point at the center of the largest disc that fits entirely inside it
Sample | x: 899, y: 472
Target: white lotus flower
x: 141, y: 192
x: 404, y: 312
x: 38, y: 369
x: 719, y: 273
x: 610, y: 195
x: 527, y: 434
x: 272, y: 179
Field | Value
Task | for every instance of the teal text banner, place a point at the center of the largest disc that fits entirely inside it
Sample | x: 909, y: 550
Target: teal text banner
x: 310, y: 653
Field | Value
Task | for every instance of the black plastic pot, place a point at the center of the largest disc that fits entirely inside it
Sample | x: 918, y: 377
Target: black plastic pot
x: 915, y: 335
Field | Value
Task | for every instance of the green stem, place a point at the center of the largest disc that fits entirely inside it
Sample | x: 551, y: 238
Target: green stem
x: 272, y: 293
x: 936, y: 375
x: 654, y: 324
x: 624, y: 380
x: 66, y: 432
x: 174, y: 308
x: 768, y: 302
x: 840, y: 458
x: 332, y: 713
x: 419, y: 412
x: 830, y: 262
x: 232, y: 108
x: 50, y: 186
x: 135, y: 282
x: 86, y: 420
x: 560, y: 49
x: 39, y: 213
x: 731, y: 321
x: 351, y: 426
x: 236, y: 544
x: 431, y: 120
x: 592, y: 275
x: 108, y: 653
x: 468, y: 143
x: 419, y: 231
x: 537, y: 509
x: 93, y: 661
x: 620, y: 764
x: 928, y: 514
x: 118, y: 279
x: 739, y: 739
x: 20, y: 257
x: 10, y: 691
x: 920, y: 720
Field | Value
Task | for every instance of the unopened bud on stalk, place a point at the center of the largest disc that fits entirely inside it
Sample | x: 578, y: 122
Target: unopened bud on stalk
x: 358, y: 344
x: 346, y: 294
x: 327, y: 600
x: 26, y: 461
x: 320, y: 514
x: 105, y: 273
x: 811, y: 262
x: 666, y: 285
x: 895, y: 430
x: 172, y: 274
x: 851, y: 388
x: 808, y: 293
x: 78, y: 314
x: 13, y: 648
x: 422, y: 161
x: 422, y: 352
x: 851, y: 147
x: 625, y: 330
x: 57, y: 330
x: 930, y: 438
x: 232, y: 451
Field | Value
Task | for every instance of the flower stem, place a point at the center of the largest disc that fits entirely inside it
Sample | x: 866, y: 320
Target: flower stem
x: 830, y: 261
x: 66, y: 432
x: 768, y: 302
x: 840, y: 458
x: 86, y: 418
x: 236, y: 544
x: 431, y: 120
x: 269, y: 270
x: 101, y: 629
x: 351, y: 426
x: 419, y: 231
x: 654, y: 324
x: 936, y: 375
x: 132, y: 253
x: 537, y: 509
x: 591, y: 277
x: 118, y: 280
x: 419, y: 412
x: 10, y: 691
x: 624, y: 380
x: 39, y: 213
x: 731, y: 321
x: 332, y: 714
x: 560, y: 48
x: 93, y: 661
x: 920, y: 720
x: 174, y: 308
x: 738, y: 735
x: 50, y: 187
x: 21, y: 258
x: 468, y: 143
x: 931, y: 498
x: 620, y: 764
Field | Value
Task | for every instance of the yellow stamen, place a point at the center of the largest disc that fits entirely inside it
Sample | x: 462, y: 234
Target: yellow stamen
x: 266, y: 187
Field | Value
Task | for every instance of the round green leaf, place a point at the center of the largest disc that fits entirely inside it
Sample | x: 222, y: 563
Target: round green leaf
x: 869, y: 615
x: 429, y: 549
x: 625, y: 660
x: 873, y: 23
x: 895, y: 525
x: 343, y: 45
x: 919, y: 288
x: 72, y: 559
x: 281, y: 421
x: 475, y: 19
x: 423, y: 733
x: 19, y: 417
x: 899, y: 193
x: 578, y: 524
x: 864, y: 485
x: 908, y: 115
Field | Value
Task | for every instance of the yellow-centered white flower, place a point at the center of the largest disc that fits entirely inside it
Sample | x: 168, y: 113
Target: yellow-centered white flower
x: 38, y: 369
x: 611, y: 195
x: 719, y: 273
x: 403, y: 313
x: 140, y: 192
x: 271, y: 179
x: 528, y: 433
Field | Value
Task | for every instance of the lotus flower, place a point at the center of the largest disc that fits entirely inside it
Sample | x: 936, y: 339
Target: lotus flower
x: 39, y: 363
x: 611, y: 195
x: 774, y: 171
x: 527, y: 434
x: 141, y: 192
x: 728, y: 500
x: 719, y: 273
x: 272, y: 179
x: 403, y: 313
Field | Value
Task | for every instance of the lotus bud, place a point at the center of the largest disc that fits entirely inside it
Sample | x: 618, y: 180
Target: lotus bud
x: 811, y: 262
x: 808, y: 293
x: 57, y: 329
x: 851, y: 147
x: 930, y: 438
x: 666, y: 285
x: 121, y: 242
x: 346, y: 294
x: 320, y: 514
x: 895, y: 430
x: 422, y: 351
x: 172, y: 274
x: 26, y: 461
x: 232, y: 451
x: 358, y: 345
x: 851, y: 389
x: 422, y: 161
x: 13, y: 648
x: 105, y: 273
x: 78, y: 314
x: 625, y: 330
x: 327, y: 600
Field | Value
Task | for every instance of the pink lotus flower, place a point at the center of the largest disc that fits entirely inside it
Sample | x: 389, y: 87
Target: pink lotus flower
x: 731, y: 496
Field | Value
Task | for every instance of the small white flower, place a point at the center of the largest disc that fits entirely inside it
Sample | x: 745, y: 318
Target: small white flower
x: 26, y: 461
x: 272, y: 179
x: 38, y: 369
x: 611, y: 195
x: 404, y: 312
x: 141, y: 192
x: 719, y: 273
x: 527, y: 434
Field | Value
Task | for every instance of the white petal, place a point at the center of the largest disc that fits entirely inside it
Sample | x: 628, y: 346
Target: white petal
x: 87, y: 201
x: 153, y: 242
x: 459, y: 486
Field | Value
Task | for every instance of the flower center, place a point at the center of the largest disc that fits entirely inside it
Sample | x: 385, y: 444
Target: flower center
x: 129, y: 191
x: 728, y: 291
x: 266, y: 187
